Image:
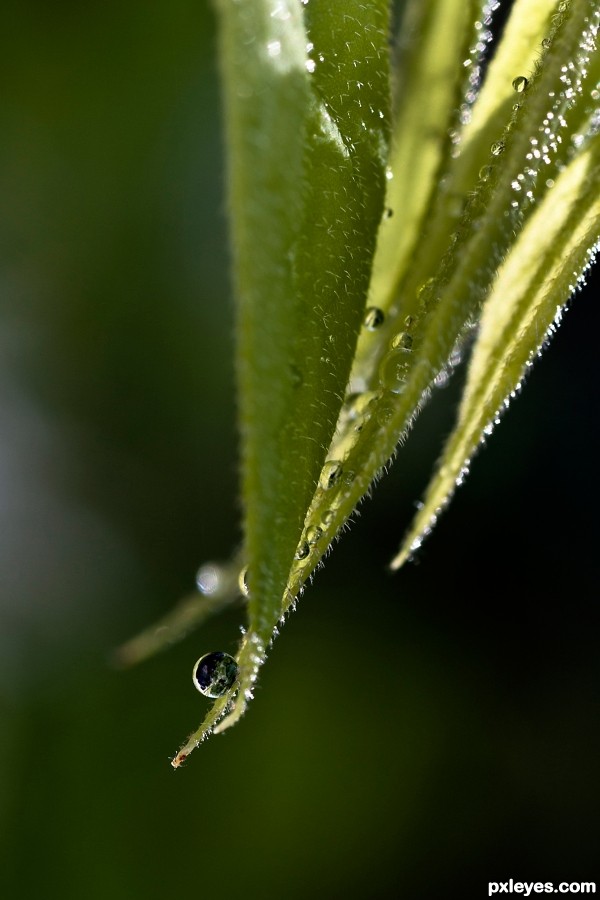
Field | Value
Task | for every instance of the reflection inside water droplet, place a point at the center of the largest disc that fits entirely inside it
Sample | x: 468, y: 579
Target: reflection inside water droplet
x: 214, y: 673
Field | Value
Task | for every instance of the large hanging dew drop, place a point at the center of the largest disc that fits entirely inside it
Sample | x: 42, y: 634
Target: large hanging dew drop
x: 214, y: 674
x: 374, y: 317
x: 331, y: 474
x: 394, y: 370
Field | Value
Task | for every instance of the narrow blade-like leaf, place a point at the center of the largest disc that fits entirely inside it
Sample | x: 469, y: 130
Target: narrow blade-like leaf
x: 532, y: 287
x: 307, y: 111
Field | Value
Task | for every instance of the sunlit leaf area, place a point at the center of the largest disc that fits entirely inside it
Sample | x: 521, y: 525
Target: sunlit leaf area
x: 416, y: 733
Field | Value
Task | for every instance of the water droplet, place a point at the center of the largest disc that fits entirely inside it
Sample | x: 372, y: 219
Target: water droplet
x: 313, y: 534
x: 394, y: 369
x: 331, y: 474
x: 403, y: 340
x: 389, y: 174
x: 349, y: 477
x: 373, y: 318
x: 243, y: 582
x: 214, y: 673
x: 409, y: 321
x: 303, y: 550
x: 546, y: 43
x: 497, y: 148
x: 385, y: 413
x: 207, y: 579
x: 358, y: 404
x: 425, y: 294
x: 310, y: 65
x: 520, y: 84
x: 485, y: 172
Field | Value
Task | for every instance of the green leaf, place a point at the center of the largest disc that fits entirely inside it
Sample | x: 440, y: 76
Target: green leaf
x: 437, y: 39
x: 307, y: 108
x: 443, y: 293
x: 538, y: 277
x: 495, y: 216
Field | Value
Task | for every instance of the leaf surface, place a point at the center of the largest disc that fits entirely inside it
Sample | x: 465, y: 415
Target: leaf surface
x: 538, y: 277
x: 307, y: 110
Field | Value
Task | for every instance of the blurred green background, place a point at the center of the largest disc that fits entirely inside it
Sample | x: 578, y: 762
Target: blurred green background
x: 422, y: 733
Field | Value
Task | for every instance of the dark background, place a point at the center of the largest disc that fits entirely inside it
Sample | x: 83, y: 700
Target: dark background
x: 422, y: 733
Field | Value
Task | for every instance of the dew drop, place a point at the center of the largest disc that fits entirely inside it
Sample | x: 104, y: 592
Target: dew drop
x: 243, y: 582
x: 497, y: 148
x: 331, y: 474
x: 313, y: 534
x: 520, y: 84
x: 409, y: 321
x: 425, y: 294
x: 303, y: 550
x: 546, y: 43
x: 373, y: 318
x: 402, y: 340
x: 208, y: 578
x: 349, y: 477
x: 384, y: 414
x: 214, y: 673
x: 327, y: 518
x: 358, y: 404
x: 485, y: 172
x: 393, y: 370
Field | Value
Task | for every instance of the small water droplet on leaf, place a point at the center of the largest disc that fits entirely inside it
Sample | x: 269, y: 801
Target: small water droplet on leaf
x: 313, y: 534
x: 394, y: 369
x: 403, y: 340
x: 520, y: 84
x: 303, y: 550
x: 374, y: 317
x: 243, y: 582
x: 331, y: 474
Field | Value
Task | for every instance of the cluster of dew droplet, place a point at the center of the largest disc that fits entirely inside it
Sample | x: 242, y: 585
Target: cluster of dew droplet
x: 474, y: 66
x: 546, y: 147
